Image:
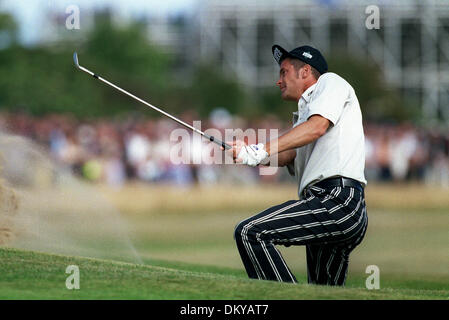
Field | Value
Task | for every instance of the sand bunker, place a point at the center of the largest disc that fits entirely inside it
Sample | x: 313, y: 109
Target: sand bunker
x: 8, y: 210
x: 44, y: 207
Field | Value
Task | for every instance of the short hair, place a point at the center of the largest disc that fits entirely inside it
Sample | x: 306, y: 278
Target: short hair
x: 298, y: 64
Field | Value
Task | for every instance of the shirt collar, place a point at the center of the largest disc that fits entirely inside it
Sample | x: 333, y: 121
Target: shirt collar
x: 308, y: 93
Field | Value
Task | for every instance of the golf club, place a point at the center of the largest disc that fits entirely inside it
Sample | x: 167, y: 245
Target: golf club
x: 96, y: 76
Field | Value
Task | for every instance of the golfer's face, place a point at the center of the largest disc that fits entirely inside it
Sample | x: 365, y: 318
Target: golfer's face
x: 289, y: 82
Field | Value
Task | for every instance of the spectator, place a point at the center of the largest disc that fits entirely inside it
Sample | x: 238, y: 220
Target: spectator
x: 112, y: 152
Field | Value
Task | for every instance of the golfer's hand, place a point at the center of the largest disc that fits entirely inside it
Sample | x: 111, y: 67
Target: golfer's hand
x: 251, y: 155
x: 236, y: 147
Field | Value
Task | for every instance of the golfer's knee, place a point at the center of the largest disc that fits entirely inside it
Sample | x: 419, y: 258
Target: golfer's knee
x: 238, y: 231
x: 242, y: 229
x: 245, y: 231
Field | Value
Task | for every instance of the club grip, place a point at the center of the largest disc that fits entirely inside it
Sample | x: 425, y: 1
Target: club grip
x: 217, y: 141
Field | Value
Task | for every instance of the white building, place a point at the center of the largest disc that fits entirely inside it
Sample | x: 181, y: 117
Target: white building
x: 411, y: 45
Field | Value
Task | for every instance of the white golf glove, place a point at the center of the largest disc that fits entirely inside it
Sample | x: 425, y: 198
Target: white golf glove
x: 253, y: 155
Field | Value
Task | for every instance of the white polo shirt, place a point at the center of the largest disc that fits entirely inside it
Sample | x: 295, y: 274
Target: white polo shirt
x: 341, y: 150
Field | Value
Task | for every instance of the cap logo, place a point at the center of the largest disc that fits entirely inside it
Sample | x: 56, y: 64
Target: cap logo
x: 307, y: 55
x: 277, y: 54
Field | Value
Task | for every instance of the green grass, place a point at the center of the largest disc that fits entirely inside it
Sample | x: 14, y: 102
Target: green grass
x: 185, y: 242
x: 34, y: 275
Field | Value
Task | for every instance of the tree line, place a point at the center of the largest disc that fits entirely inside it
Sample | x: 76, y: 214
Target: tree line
x: 42, y: 79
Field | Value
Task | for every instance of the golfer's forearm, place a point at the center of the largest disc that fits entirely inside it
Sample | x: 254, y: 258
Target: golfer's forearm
x: 299, y: 136
x: 283, y: 158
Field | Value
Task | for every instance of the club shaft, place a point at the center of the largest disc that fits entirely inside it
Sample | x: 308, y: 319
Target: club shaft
x: 210, y: 138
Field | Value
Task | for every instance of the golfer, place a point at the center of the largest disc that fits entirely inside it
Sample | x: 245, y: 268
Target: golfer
x: 325, y: 151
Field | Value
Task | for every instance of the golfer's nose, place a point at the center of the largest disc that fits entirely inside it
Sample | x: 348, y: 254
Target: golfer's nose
x: 279, y: 82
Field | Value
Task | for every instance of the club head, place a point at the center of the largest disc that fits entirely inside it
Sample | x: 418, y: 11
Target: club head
x: 75, y: 59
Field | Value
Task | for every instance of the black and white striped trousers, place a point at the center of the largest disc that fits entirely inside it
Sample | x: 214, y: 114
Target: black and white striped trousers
x: 329, y: 222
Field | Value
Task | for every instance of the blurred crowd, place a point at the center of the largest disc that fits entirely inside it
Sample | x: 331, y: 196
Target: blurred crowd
x: 135, y: 148
x: 407, y: 153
